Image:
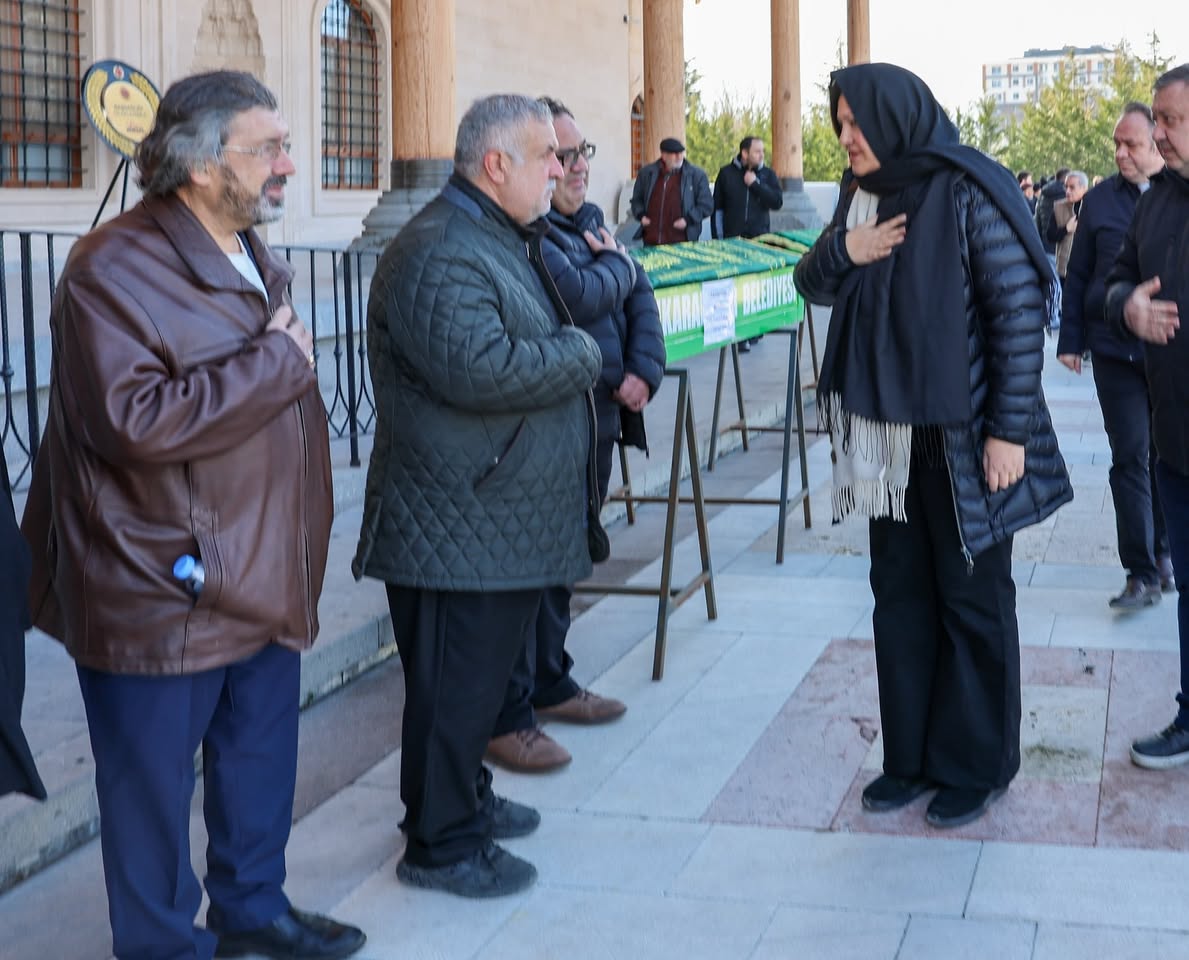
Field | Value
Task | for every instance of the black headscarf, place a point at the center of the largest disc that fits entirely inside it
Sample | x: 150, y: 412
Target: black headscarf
x: 897, y: 349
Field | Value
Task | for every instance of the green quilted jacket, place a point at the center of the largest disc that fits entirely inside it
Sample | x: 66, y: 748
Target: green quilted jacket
x: 477, y: 479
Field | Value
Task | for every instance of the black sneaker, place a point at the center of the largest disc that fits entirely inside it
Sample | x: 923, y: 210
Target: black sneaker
x: 886, y: 792
x: 489, y: 872
x: 955, y: 806
x: 1136, y: 595
x: 510, y: 819
x: 1168, y: 748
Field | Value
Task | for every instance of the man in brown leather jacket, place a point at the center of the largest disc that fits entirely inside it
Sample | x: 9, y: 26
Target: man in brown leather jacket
x: 185, y: 420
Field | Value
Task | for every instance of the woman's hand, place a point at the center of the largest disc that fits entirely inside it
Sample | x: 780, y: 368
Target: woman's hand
x: 1003, y: 463
x: 873, y: 241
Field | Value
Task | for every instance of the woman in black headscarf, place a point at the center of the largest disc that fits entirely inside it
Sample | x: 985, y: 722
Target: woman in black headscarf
x: 930, y: 387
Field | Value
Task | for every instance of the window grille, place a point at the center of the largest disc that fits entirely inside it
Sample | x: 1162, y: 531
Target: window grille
x: 351, y: 98
x: 40, y: 112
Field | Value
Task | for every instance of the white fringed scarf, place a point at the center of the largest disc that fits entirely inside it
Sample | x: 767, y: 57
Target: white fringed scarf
x: 871, y: 459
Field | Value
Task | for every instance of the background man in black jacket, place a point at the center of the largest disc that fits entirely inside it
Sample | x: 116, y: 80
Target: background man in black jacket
x: 1119, y: 360
x: 745, y: 191
x: 610, y: 298
x: 1148, y: 290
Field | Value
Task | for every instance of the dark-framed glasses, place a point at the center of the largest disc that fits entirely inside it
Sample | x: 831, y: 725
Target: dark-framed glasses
x: 270, y: 151
x: 567, y: 157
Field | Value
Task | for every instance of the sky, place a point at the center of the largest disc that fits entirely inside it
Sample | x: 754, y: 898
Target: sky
x: 945, y: 42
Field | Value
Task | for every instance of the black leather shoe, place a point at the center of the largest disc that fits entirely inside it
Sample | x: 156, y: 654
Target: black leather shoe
x: 954, y: 806
x: 1168, y: 748
x: 490, y: 872
x: 886, y: 792
x: 510, y: 819
x: 1136, y: 595
x: 294, y: 935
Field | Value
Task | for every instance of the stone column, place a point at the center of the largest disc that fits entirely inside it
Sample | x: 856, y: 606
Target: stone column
x: 858, y: 31
x: 786, y: 157
x: 664, y: 74
x: 423, y: 121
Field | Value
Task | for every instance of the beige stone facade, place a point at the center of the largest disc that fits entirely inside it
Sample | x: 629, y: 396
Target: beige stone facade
x: 588, y: 55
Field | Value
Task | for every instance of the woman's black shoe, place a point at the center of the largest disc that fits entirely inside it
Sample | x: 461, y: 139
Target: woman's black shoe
x: 886, y: 792
x: 954, y: 806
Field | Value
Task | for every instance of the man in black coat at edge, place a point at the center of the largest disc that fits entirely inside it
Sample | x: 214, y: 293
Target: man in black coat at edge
x: 1147, y: 291
x: 17, y: 771
x: 609, y: 297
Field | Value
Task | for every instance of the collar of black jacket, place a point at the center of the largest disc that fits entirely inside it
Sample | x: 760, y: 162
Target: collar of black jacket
x: 1171, y: 177
x: 473, y: 201
x: 210, y: 265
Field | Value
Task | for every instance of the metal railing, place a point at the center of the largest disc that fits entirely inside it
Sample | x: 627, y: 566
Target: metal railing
x: 329, y: 291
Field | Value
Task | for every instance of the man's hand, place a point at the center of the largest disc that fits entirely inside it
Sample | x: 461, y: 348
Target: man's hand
x: 679, y: 223
x: 604, y: 241
x: 1071, y: 360
x: 632, y: 393
x: 749, y: 177
x: 1156, y: 321
x: 645, y: 221
x: 288, y: 323
x: 873, y: 241
x: 1003, y: 463
x: 1072, y: 225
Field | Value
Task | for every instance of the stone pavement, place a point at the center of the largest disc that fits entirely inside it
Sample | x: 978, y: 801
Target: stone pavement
x: 719, y: 817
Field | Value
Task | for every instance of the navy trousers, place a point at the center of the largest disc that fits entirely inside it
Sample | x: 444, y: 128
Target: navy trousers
x: 1174, y: 495
x: 541, y: 674
x: 1127, y: 413
x: 144, y: 734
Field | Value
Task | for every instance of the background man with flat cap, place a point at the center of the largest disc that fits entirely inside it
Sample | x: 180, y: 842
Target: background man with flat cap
x: 671, y: 198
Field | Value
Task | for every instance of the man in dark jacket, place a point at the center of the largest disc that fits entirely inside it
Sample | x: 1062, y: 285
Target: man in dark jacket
x: 481, y: 490
x: 185, y: 419
x: 745, y: 193
x: 671, y: 197
x: 1147, y: 291
x: 610, y: 298
x: 1119, y: 360
x: 1050, y: 193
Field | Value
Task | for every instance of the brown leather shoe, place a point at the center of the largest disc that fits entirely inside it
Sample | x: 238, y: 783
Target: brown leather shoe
x: 527, y: 751
x: 585, y: 707
x: 1168, y: 580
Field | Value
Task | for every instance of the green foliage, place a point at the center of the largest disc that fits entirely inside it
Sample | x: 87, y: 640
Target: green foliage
x: 822, y: 156
x: 1071, y: 125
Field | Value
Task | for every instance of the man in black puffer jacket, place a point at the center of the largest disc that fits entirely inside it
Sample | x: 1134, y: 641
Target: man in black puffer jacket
x: 745, y: 194
x: 1147, y: 293
x: 610, y: 298
x: 481, y: 490
x: 930, y: 385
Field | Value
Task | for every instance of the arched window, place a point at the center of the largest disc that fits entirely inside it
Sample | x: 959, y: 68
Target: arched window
x: 637, y: 135
x: 40, y: 113
x: 351, y: 98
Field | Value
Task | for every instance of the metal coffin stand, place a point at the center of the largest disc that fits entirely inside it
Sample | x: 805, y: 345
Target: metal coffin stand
x: 670, y: 597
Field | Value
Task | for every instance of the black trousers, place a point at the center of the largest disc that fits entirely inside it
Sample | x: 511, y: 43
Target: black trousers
x: 541, y: 674
x: 457, y: 649
x: 947, y: 647
x: 1127, y: 415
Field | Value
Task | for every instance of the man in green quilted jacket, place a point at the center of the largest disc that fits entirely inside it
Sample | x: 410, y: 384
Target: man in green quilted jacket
x: 481, y: 490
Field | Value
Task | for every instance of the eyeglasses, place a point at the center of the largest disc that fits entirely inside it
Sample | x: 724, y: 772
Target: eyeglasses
x: 567, y: 157
x: 270, y: 151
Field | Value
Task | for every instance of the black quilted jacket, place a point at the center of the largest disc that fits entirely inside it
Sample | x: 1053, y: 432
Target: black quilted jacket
x: 1005, y: 317
x: 477, y: 479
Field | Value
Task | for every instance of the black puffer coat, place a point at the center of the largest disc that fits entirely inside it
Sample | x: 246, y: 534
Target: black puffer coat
x: 611, y: 299
x: 1005, y: 317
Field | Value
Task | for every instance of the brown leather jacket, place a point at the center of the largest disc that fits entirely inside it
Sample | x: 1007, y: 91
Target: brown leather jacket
x: 176, y: 425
